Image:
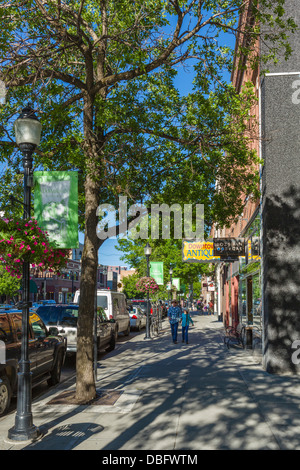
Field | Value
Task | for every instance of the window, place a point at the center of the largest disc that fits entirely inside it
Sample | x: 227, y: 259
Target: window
x: 256, y: 291
x: 116, y: 306
x: 5, y: 330
x: 38, y: 328
x: 49, y: 315
x: 102, y: 301
x: 68, y: 316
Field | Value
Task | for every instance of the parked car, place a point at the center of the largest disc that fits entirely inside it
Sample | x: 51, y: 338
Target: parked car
x: 115, y: 307
x: 46, y: 352
x: 64, y: 317
x: 138, y: 317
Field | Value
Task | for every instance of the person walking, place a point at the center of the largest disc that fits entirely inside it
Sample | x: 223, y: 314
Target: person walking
x: 186, y: 320
x: 174, y: 316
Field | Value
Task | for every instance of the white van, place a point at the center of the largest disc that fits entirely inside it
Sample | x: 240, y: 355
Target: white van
x: 115, y: 306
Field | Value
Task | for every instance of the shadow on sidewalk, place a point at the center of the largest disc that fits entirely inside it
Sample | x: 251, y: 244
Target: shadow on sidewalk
x: 196, y: 396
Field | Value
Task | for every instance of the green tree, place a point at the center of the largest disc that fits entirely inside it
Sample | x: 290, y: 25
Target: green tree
x: 101, y: 75
x: 129, y: 288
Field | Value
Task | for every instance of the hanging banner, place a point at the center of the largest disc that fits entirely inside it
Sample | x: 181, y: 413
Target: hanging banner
x: 199, y: 251
x: 176, y: 282
x: 56, y: 206
x: 157, y: 272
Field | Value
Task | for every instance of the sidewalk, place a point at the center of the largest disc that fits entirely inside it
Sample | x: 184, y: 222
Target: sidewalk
x: 161, y: 396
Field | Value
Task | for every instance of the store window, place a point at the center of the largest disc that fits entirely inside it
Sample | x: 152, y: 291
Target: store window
x: 256, y: 301
x: 243, y: 300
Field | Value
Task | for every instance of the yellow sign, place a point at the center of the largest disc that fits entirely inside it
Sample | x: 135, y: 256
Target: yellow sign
x: 250, y: 256
x: 199, y: 251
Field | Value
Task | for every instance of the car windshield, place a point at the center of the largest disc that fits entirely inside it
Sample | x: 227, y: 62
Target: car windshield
x: 66, y: 316
x: 49, y: 315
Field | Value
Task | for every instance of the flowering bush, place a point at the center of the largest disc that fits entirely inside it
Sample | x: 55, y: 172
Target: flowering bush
x: 146, y: 284
x: 22, y: 241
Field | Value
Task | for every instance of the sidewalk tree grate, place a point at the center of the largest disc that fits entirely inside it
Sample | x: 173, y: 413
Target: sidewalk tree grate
x: 103, y: 398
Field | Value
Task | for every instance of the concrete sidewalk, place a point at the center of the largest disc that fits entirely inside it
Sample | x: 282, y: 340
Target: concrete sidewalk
x: 161, y: 396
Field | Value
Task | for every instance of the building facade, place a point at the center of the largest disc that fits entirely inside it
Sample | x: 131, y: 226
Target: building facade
x: 262, y: 289
x: 61, y: 288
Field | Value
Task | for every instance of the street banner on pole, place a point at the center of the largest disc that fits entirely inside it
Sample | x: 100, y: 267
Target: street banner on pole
x: 157, y: 272
x: 176, y: 282
x: 56, y: 206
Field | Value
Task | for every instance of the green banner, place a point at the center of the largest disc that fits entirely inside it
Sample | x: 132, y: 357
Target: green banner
x: 157, y: 272
x: 176, y: 282
x: 56, y: 206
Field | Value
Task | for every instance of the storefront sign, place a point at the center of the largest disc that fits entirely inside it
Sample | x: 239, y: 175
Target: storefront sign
x: 56, y: 206
x: 199, y: 252
x: 229, y: 247
x: 157, y: 272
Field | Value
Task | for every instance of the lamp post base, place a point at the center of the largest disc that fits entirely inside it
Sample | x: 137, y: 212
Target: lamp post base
x: 31, y: 433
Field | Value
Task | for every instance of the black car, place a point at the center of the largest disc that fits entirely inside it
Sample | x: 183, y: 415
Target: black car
x: 64, y: 317
x: 46, y: 354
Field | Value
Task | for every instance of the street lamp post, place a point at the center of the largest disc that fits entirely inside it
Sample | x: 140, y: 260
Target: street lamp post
x: 147, y: 252
x: 171, y: 272
x: 28, y: 133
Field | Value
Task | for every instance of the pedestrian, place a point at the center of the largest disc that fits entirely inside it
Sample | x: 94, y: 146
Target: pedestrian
x: 211, y: 308
x: 205, y: 308
x: 174, y: 316
x: 186, y: 320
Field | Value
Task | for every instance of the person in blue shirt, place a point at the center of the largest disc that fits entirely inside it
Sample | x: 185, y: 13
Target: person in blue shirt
x: 186, y: 320
x: 174, y: 316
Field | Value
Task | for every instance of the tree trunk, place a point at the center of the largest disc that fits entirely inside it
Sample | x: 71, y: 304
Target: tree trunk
x: 85, y: 382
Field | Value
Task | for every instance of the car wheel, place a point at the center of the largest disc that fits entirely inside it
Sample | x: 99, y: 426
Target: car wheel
x: 112, y: 343
x: 5, y: 395
x: 56, y: 371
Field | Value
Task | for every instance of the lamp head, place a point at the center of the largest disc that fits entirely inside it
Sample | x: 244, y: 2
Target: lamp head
x: 147, y: 250
x: 27, y: 130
